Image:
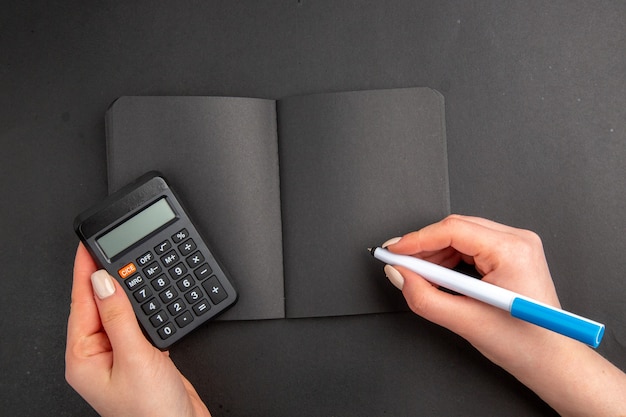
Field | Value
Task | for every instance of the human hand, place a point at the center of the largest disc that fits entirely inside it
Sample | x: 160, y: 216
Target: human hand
x: 507, y: 257
x: 108, y: 360
x: 568, y: 375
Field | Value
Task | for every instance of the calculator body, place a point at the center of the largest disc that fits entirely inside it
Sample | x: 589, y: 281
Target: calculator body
x: 144, y: 238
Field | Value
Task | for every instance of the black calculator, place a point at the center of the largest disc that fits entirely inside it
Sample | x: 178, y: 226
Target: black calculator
x: 144, y: 238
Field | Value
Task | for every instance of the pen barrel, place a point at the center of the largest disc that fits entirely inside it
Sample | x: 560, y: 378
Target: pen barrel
x: 523, y: 308
x: 563, y: 322
x: 452, y: 280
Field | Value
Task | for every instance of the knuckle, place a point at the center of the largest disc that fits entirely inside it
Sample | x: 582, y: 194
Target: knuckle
x: 532, y: 238
x: 523, y: 246
x: 451, y: 221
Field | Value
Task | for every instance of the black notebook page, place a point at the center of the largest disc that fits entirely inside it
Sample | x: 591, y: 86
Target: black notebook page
x: 220, y: 154
x: 356, y: 169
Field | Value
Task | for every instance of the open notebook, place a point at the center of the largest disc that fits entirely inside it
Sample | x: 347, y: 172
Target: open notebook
x: 289, y: 193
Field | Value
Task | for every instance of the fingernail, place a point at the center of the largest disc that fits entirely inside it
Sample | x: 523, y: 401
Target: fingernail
x: 394, y: 276
x: 102, y: 284
x: 391, y: 241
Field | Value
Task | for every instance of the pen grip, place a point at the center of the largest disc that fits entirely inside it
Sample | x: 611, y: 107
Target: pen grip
x: 568, y: 324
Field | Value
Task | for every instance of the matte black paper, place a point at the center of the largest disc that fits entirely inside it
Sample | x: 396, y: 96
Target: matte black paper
x: 290, y: 207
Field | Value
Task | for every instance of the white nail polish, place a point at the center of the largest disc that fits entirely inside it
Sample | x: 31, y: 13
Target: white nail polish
x: 102, y: 284
x: 391, y: 241
x: 394, y: 276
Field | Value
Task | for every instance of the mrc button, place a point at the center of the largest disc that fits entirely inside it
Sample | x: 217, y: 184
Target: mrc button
x: 134, y: 282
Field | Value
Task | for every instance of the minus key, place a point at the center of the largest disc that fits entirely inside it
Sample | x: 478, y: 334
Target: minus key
x: 203, y: 271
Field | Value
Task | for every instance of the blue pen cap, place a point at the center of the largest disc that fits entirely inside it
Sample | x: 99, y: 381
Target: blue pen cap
x: 571, y: 325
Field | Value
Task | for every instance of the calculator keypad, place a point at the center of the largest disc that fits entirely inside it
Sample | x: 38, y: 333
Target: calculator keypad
x: 175, y: 284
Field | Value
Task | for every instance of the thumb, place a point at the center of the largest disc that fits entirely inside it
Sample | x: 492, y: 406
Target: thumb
x: 116, y: 314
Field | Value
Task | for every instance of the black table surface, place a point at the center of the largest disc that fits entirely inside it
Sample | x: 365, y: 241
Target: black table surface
x: 535, y: 109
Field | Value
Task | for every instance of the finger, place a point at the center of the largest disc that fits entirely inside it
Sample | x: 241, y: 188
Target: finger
x: 117, y: 316
x: 448, y: 257
x: 84, y: 319
x: 468, y: 237
x: 498, y: 227
x: 462, y: 315
x: 89, y: 346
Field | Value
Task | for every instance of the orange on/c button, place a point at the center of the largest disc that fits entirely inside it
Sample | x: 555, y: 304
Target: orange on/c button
x: 127, y: 270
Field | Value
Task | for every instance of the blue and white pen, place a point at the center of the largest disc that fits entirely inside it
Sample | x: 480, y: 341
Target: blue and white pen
x: 521, y: 307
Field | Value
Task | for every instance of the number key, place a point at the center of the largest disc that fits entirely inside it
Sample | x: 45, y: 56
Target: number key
x: 193, y: 295
x: 168, y: 295
x: 151, y: 306
x: 158, y: 319
x: 185, y: 283
x: 160, y: 283
x: 142, y: 294
x: 178, y: 271
x: 166, y: 331
x: 176, y: 307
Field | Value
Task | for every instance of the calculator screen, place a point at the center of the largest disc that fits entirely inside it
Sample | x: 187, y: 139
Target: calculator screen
x: 136, y: 228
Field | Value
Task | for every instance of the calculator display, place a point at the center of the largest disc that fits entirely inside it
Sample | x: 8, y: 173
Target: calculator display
x: 136, y: 228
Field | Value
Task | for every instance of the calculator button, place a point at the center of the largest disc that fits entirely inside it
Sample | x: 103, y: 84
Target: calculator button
x: 176, y: 307
x: 152, y: 270
x: 134, y: 281
x: 184, y: 319
x: 151, y: 306
x: 158, y: 319
x: 142, y: 294
x: 166, y: 331
x: 161, y: 282
x: 202, y: 307
x: 193, y: 295
x: 180, y: 236
x: 168, y: 295
x: 145, y: 259
x: 163, y: 247
x: 195, y: 259
x: 127, y: 270
x: 169, y: 258
x: 187, y: 247
x: 185, y: 283
x: 203, y: 271
x: 178, y: 271
x: 215, y: 290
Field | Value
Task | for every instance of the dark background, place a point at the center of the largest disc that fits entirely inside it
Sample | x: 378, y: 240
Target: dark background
x: 536, y: 127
